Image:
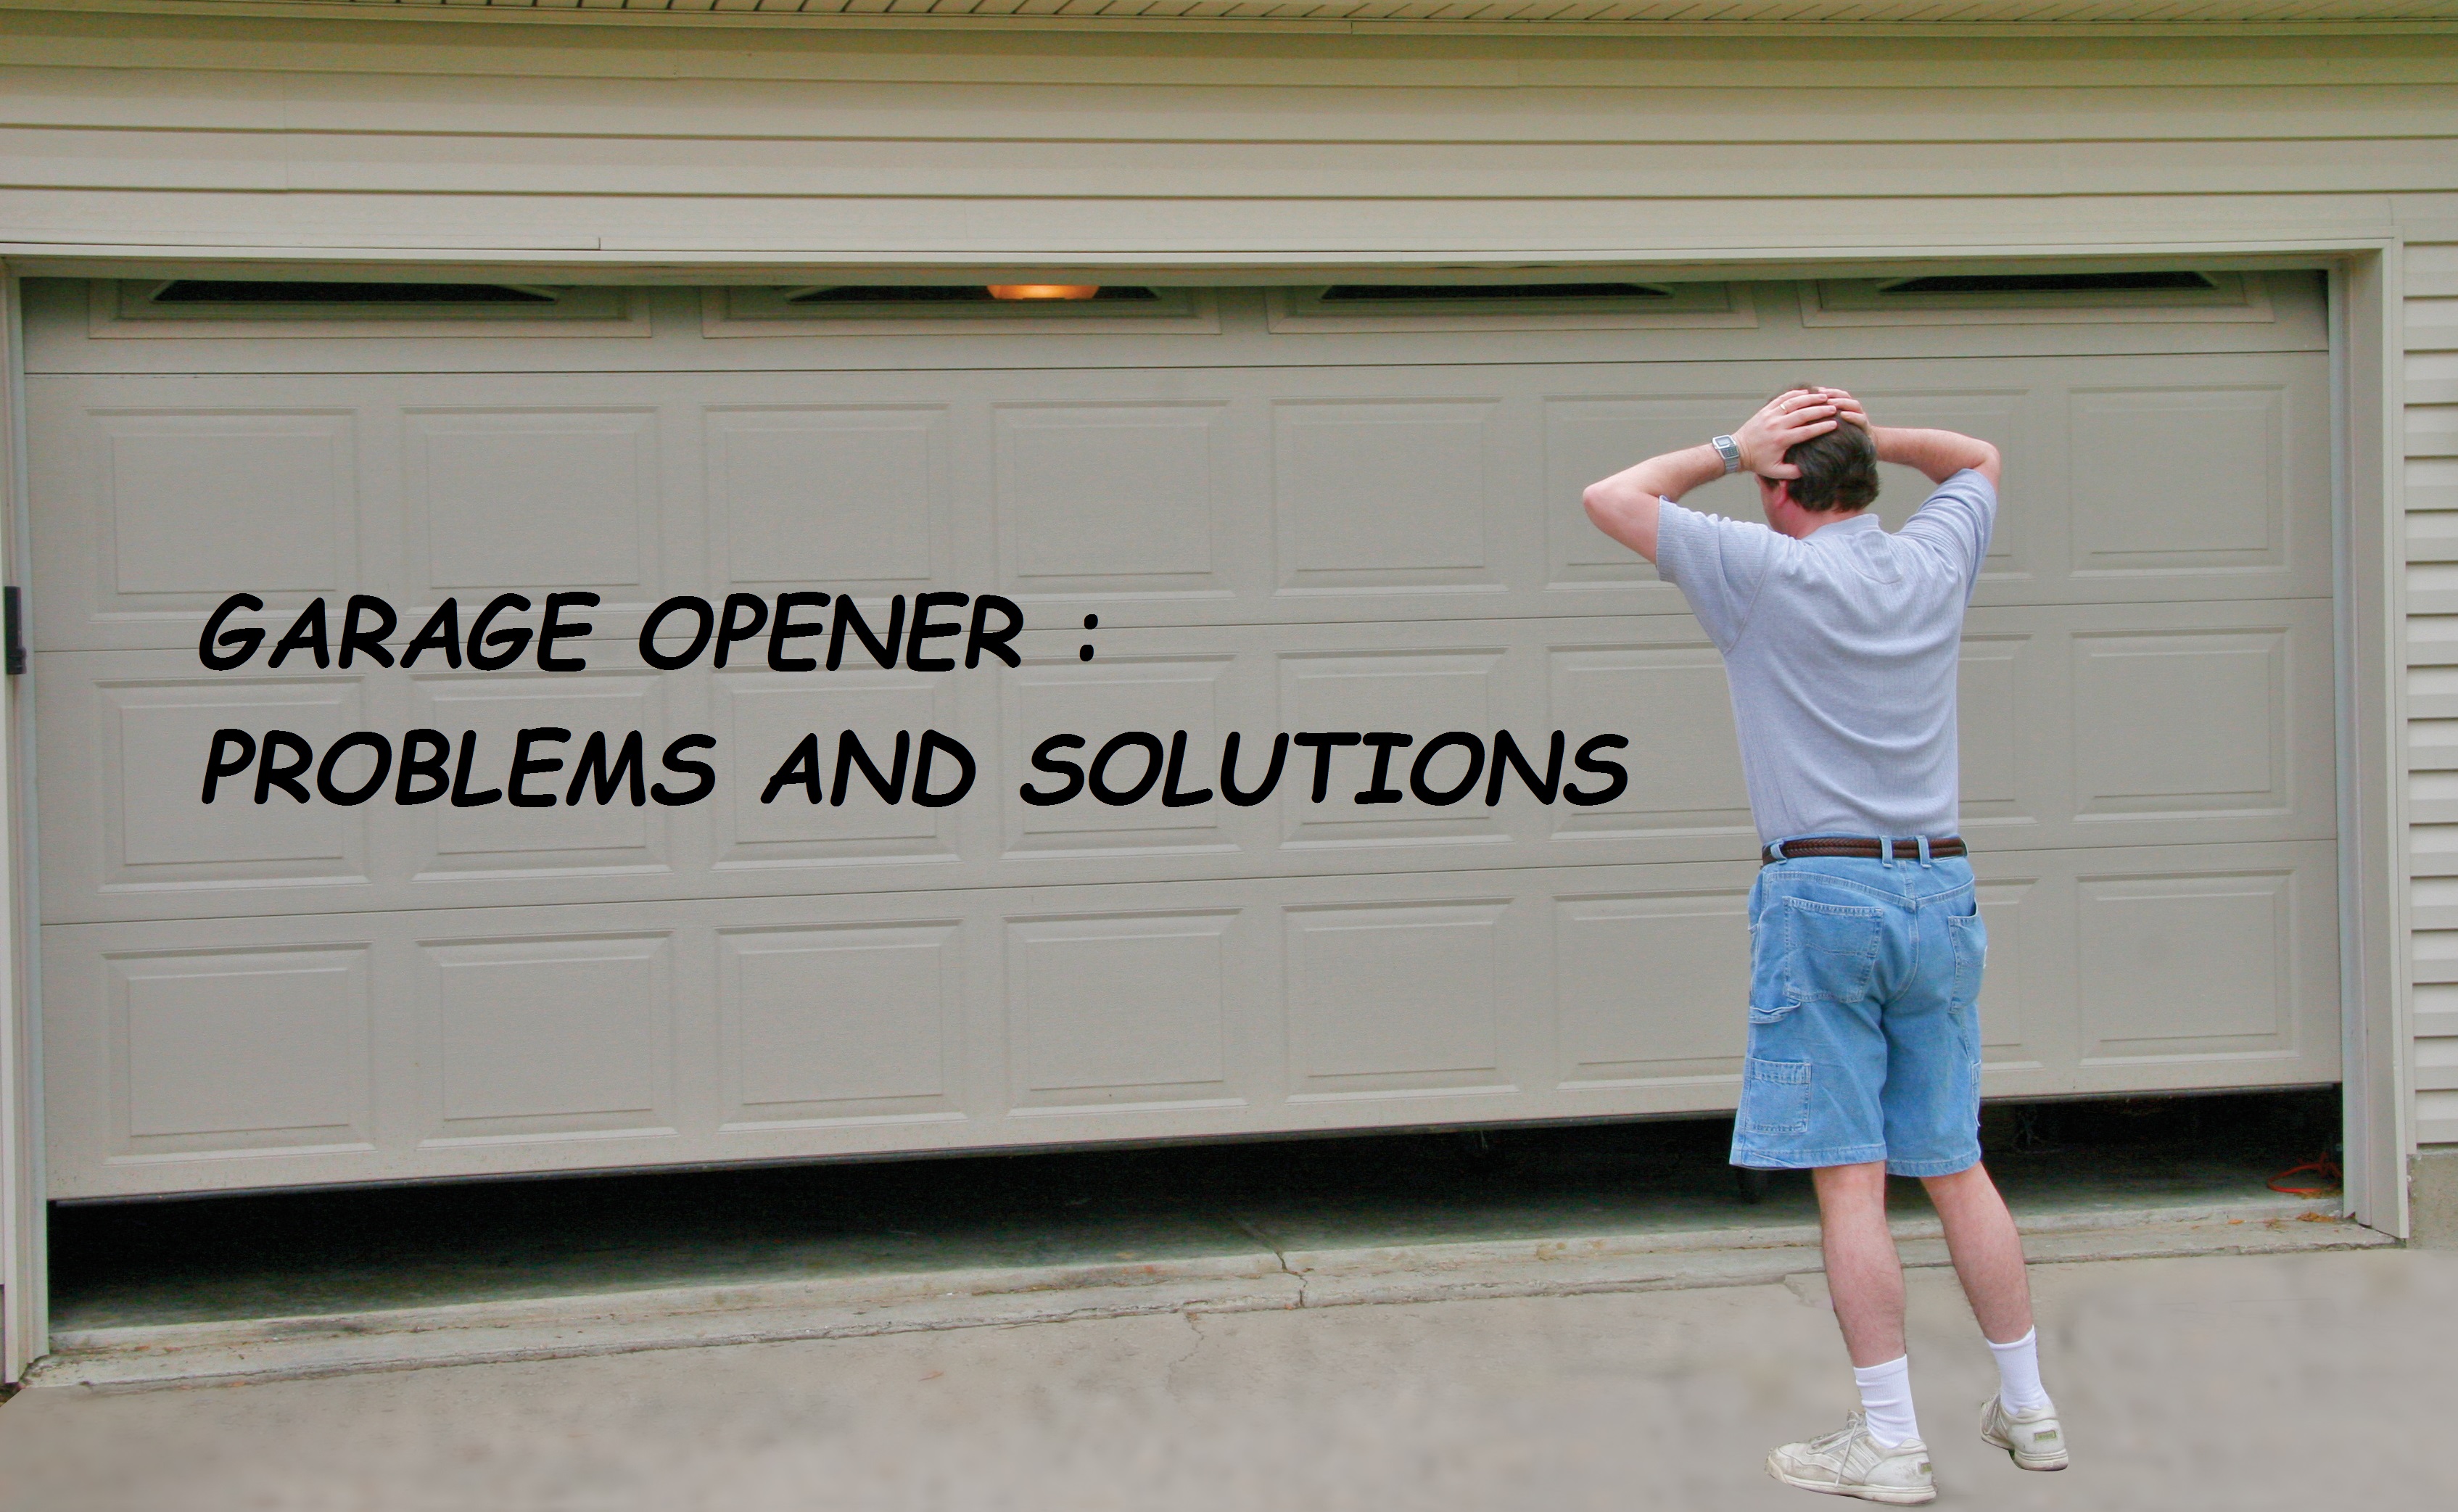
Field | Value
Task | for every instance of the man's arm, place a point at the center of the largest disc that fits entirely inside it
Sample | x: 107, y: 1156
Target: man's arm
x: 1624, y: 505
x: 1937, y: 454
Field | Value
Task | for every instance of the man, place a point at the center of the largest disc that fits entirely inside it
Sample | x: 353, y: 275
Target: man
x: 1840, y: 643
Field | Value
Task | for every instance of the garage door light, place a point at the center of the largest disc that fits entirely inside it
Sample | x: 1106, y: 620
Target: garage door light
x: 1045, y: 291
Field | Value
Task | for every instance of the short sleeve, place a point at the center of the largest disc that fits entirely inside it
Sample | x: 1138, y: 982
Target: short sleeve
x: 1718, y: 563
x: 1957, y: 520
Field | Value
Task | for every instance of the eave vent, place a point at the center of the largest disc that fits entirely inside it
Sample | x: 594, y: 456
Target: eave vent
x: 1483, y: 293
x: 251, y: 292
x: 317, y: 308
x: 2053, y: 283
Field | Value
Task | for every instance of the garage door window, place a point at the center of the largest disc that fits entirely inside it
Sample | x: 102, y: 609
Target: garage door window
x: 2030, y: 299
x: 235, y: 307
x: 1590, y: 306
x: 956, y: 309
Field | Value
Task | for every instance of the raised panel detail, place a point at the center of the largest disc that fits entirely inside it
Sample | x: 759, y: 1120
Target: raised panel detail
x: 156, y: 831
x: 845, y: 496
x: 532, y: 499
x: 1421, y: 694
x: 2006, y: 419
x: 1648, y: 989
x: 257, y: 1049
x: 838, y: 1024
x: 546, y: 1038
x: 1156, y: 696
x: 1685, y: 758
x: 565, y: 838
x: 2177, y: 968
x: 2179, y: 724
x: 1397, y: 998
x: 1988, y: 731
x: 2006, y: 910
x: 2180, y: 479
x: 1587, y: 439
x: 1107, y: 498
x: 1381, y: 496
x: 765, y: 717
x: 209, y: 504
x: 1124, y: 1009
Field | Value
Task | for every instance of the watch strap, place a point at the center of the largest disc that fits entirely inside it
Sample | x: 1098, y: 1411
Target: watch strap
x: 1730, y: 450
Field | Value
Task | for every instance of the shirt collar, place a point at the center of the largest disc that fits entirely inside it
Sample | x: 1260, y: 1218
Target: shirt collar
x: 1852, y: 524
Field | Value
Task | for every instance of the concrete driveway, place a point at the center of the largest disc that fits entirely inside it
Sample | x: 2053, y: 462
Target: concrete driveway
x: 2305, y: 1381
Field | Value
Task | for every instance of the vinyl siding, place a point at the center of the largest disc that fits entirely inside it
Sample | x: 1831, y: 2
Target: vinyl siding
x: 2431, y: 437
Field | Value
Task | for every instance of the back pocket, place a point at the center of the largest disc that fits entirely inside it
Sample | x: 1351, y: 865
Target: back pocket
x: 1774, y: 1097
x: 1830, y: 951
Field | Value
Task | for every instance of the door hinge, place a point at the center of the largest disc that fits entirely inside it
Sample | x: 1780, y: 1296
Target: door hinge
x: 12, y: 631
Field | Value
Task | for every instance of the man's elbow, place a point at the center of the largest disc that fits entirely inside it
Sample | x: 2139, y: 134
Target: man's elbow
x: 1988, y: 465
x: 1601, y: 506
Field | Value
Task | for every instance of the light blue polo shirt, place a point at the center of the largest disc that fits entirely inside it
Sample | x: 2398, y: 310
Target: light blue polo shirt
x: 1842, y: 651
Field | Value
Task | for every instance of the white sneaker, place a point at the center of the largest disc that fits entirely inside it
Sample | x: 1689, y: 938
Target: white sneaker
x: 2032, y: 1438
x: 1849, y: 1463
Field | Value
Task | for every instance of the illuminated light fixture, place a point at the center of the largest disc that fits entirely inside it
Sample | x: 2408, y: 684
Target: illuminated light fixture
x: 1045, y: 291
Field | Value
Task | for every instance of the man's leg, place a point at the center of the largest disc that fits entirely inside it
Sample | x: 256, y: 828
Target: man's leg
x: 1812, y: 1091
x: 1987, y: 1252
x: 1863, y: 1275
x: 1989, y: 1260
x: 1880, y: 1456
x: 1866, y: 1279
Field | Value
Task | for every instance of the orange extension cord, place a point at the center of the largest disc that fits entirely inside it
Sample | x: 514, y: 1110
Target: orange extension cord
x: 2322, y: 1167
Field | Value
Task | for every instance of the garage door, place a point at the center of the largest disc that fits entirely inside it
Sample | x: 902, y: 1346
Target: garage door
x: 1345, y: 512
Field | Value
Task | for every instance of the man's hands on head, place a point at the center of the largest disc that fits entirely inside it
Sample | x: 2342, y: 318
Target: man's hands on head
x: 1937, y: 454
x: 1625, y: 505
x: 1785, y: 422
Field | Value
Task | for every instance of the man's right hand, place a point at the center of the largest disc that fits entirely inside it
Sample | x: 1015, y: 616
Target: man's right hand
x: 1788, y: 420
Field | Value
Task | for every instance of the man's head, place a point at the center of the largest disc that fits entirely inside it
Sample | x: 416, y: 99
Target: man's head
x: 1839, y: 471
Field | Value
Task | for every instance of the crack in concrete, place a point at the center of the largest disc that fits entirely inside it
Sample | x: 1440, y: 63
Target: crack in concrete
x: 1279, y: 1257
x: 1195, y: 1326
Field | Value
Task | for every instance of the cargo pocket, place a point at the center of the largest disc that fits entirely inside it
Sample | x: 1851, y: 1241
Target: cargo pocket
x: 1971, y: 939
x: 1830, y: 951
x: 1774, y: 1097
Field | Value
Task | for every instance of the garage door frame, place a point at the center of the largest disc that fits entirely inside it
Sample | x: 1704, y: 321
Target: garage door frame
x: 2366, y: 353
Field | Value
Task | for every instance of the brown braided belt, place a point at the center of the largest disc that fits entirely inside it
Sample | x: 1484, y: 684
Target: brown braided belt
x: 1819, y: 845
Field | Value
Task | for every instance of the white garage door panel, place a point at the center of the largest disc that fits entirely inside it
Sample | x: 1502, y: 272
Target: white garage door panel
x: 2069, y: 730
x: 352, y: 1048
x: 1281, y: 530
x: 1263, y: 495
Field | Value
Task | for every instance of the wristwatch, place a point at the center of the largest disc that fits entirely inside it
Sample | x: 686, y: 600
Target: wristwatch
x: 1730, y: 450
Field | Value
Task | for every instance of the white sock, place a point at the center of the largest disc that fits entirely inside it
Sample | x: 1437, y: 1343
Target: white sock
x: 1886, y: 1397
x: 2018, y: 1373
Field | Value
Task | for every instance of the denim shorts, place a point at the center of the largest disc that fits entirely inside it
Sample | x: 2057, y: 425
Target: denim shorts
x: 1864, y: 1018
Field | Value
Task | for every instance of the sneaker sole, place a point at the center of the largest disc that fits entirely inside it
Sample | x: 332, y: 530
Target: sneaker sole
x: 2025, y: 1461
x: 1866, y: 1493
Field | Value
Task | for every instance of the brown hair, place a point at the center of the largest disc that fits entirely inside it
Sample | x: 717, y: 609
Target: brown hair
x: 1839, y: 470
